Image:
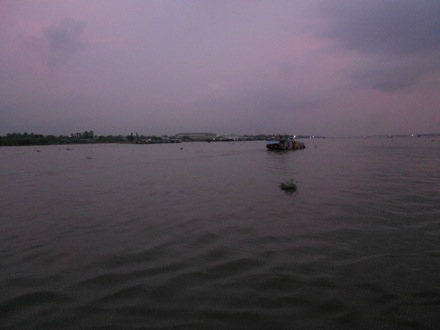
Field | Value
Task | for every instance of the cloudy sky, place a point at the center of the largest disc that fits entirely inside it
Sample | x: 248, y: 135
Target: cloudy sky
x: 329, y: 67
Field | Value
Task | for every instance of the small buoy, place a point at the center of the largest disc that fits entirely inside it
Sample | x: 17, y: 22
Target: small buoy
x: 288, y: 186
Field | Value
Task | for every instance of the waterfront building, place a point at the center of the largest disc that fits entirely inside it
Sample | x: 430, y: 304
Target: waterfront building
x: 196, y: 136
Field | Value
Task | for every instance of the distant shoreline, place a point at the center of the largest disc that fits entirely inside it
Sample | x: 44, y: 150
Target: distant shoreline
x: 88, y: 137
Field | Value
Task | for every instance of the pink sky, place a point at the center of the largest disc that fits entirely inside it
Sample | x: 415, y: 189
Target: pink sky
x: 331, y: 68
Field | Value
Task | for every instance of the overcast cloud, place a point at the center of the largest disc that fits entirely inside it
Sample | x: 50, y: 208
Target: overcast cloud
x: 162, y: 67
x: 58, y: 43
x: 399, y: 40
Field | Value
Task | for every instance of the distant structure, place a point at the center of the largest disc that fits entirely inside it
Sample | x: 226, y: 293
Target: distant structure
x: 196, y: 136
x: 228, y: 137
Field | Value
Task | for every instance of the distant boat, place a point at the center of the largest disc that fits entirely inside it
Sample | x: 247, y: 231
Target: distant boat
x: 288, y: 186
x: 284, y: 142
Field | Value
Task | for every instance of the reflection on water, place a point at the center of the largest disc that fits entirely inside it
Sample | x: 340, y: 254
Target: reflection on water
x: 154, y: 236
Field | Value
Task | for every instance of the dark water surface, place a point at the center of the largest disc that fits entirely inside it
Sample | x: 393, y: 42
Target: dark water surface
x: 159, y: 237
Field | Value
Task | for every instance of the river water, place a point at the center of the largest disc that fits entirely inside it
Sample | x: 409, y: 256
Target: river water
x: 200, y: 236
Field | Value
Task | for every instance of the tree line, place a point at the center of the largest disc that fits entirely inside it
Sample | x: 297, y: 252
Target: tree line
x: 26, y: 139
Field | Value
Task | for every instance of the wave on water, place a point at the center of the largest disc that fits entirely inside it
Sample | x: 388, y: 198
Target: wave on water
x: 158, y: 237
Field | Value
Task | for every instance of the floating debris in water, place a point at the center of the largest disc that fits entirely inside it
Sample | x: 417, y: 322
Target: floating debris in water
x: 288, y: 186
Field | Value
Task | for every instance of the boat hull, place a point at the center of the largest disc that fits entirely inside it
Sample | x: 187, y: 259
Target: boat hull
x: 284, y: 145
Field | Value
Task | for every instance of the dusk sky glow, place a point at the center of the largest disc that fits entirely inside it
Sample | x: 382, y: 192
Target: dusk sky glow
x: 333, y: 68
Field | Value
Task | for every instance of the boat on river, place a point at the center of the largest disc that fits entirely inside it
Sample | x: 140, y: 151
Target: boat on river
x: 284, y: 142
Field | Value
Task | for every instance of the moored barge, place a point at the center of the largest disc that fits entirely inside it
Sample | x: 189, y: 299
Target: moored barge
x: 284, y: 142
